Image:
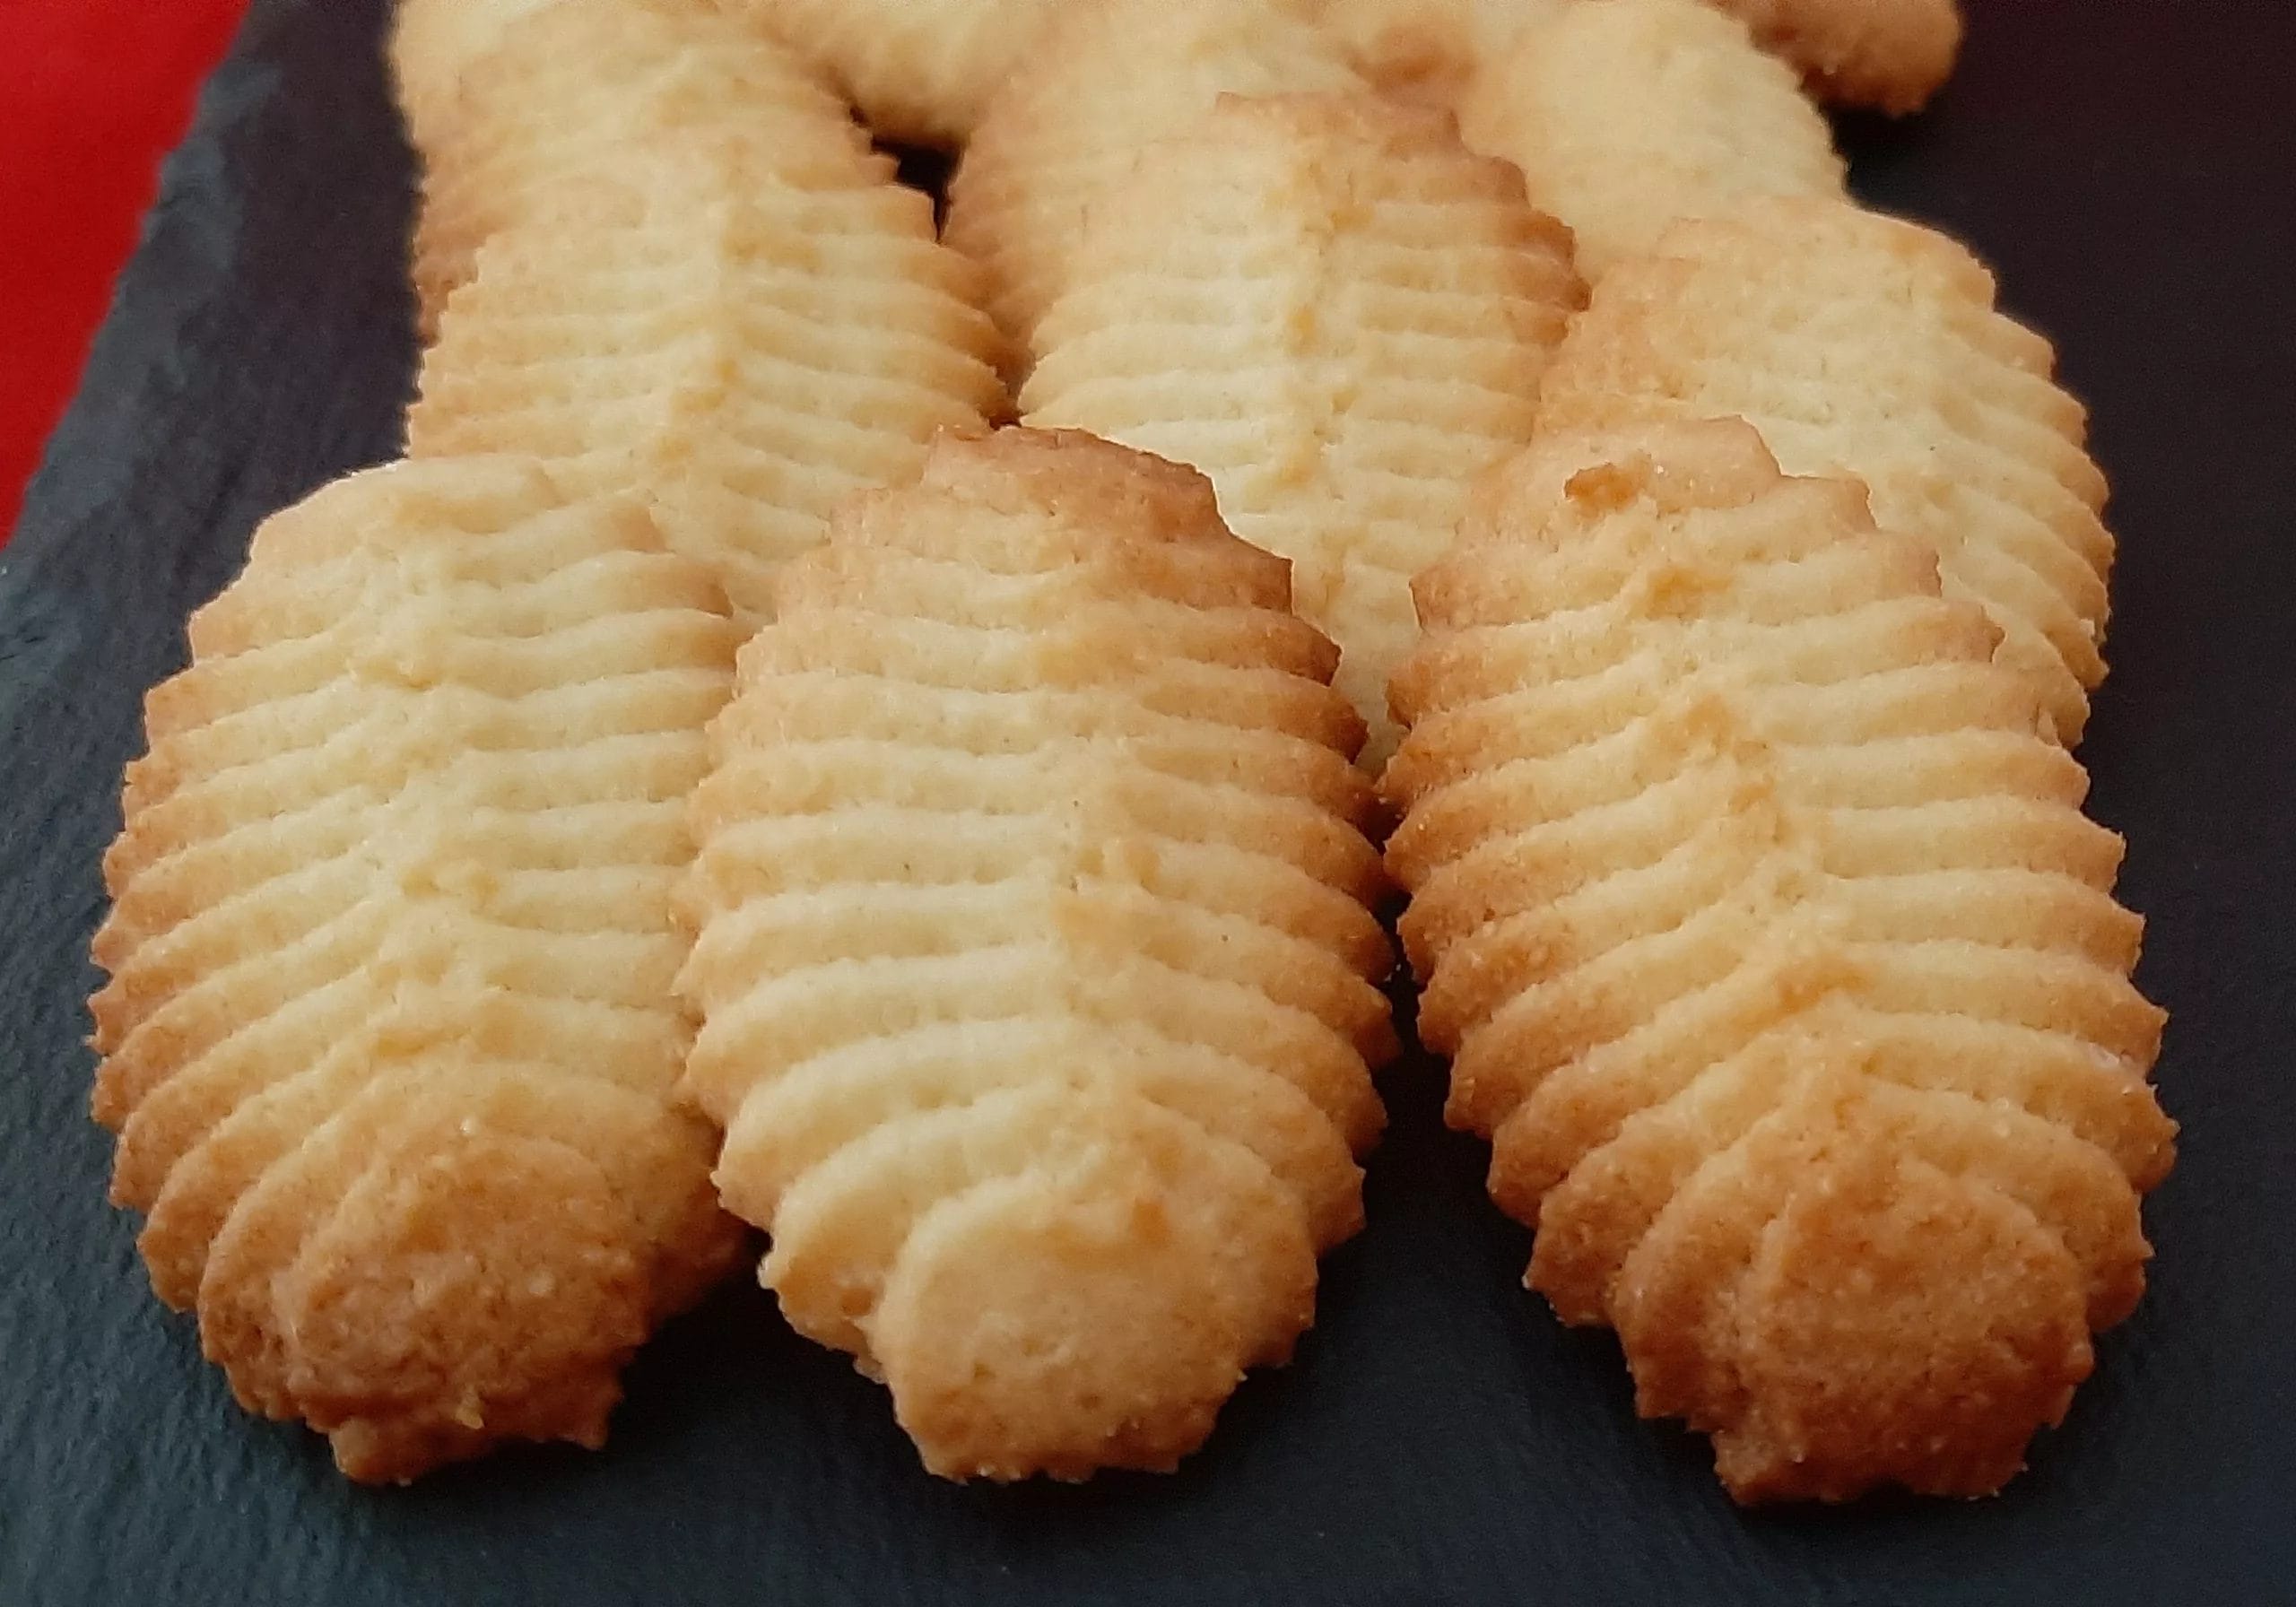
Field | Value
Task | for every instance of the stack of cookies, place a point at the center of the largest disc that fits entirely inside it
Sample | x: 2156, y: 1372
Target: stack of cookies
x: 900, y: 735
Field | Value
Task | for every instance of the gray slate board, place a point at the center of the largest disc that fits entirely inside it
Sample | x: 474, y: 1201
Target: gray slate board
x: 1442, y: 1440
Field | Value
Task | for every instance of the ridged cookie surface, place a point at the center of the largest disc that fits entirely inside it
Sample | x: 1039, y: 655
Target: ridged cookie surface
x: 1862, y: 345
x: 1033, y: 955
x: 1341, y: 315
x: 921, y: 71
x: 390, y: 1040
x: 742, y: 352
x: 513, y: 106
x: 1627, y: 115
x: 1777, y: 959
x: 1891, y: 55
x: 1108, y: 80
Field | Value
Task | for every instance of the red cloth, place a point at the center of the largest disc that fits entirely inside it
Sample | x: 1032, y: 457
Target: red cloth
x: 92, y: 94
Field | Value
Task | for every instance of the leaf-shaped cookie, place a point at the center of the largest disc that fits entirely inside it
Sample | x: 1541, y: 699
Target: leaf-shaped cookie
x: 741, y: 352
x: 514, y: 105
x: 1107, y: 81
x: 1891, y: 54
x: 1035, y: 967
x: 1630, y: 115
x: 389, y: 1040
x: 1888, y: 54
x: 1341, y: 315
x: 1778, y: 962
x: 1864, y: 345
x: 1426, y: 50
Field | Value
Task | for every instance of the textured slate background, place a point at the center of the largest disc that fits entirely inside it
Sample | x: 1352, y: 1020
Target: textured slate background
x: 1440, y: 1440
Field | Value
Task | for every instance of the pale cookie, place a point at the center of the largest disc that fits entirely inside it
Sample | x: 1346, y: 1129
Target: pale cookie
x: 1888, y: 54
x: 1777, y: 959
x: 1861, y: 345
x: 433, y: 44
x: 744, y: 353
x: 553, y: 93
x: 921, y: 71
x: 1891, y: 55
x: 390, y: 1039
x: 1106, y: 81
x: 1336, y: 311
x: 1627, y: 115
x: 1426, y: 50
x: 1037, y: 977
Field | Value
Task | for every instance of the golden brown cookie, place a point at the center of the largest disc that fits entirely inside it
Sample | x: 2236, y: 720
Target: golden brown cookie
x: 389, y: 1040
x: 921, y: 71
x: 742, y: 353
x: 1627, y: 115
x: 514, y: 106
x: 1106, y: 81
x: 1861, y: 345
x: 1332, y: 308
x: 1034, y: 962
x: 1891, y: 55
x: 1775, y: 956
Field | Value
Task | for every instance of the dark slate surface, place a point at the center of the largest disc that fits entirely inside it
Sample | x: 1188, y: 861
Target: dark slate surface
x: 1441, y: 1441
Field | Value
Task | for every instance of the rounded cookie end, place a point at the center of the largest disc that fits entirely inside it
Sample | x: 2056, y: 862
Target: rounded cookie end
x: 489, y: 1291
x: 1035, y: 1328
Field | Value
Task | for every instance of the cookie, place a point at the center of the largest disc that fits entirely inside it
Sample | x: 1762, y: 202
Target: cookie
x: 389, y: 1040
x: 1033, y: 956
x: 1862, y: 345
x: 1427, y: 50
x: 922, y: 71
x: 432, y: 45
x: 742, y: 353
x: 1889, y: 54
x: 532, y: 101
x: 1776, y: 958
x: 1066, y: 131
x: 1333, y: 308
x: 1629, y: 115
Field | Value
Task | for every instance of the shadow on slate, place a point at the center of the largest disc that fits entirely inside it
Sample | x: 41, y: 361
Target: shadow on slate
x: 1442, y: 1440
